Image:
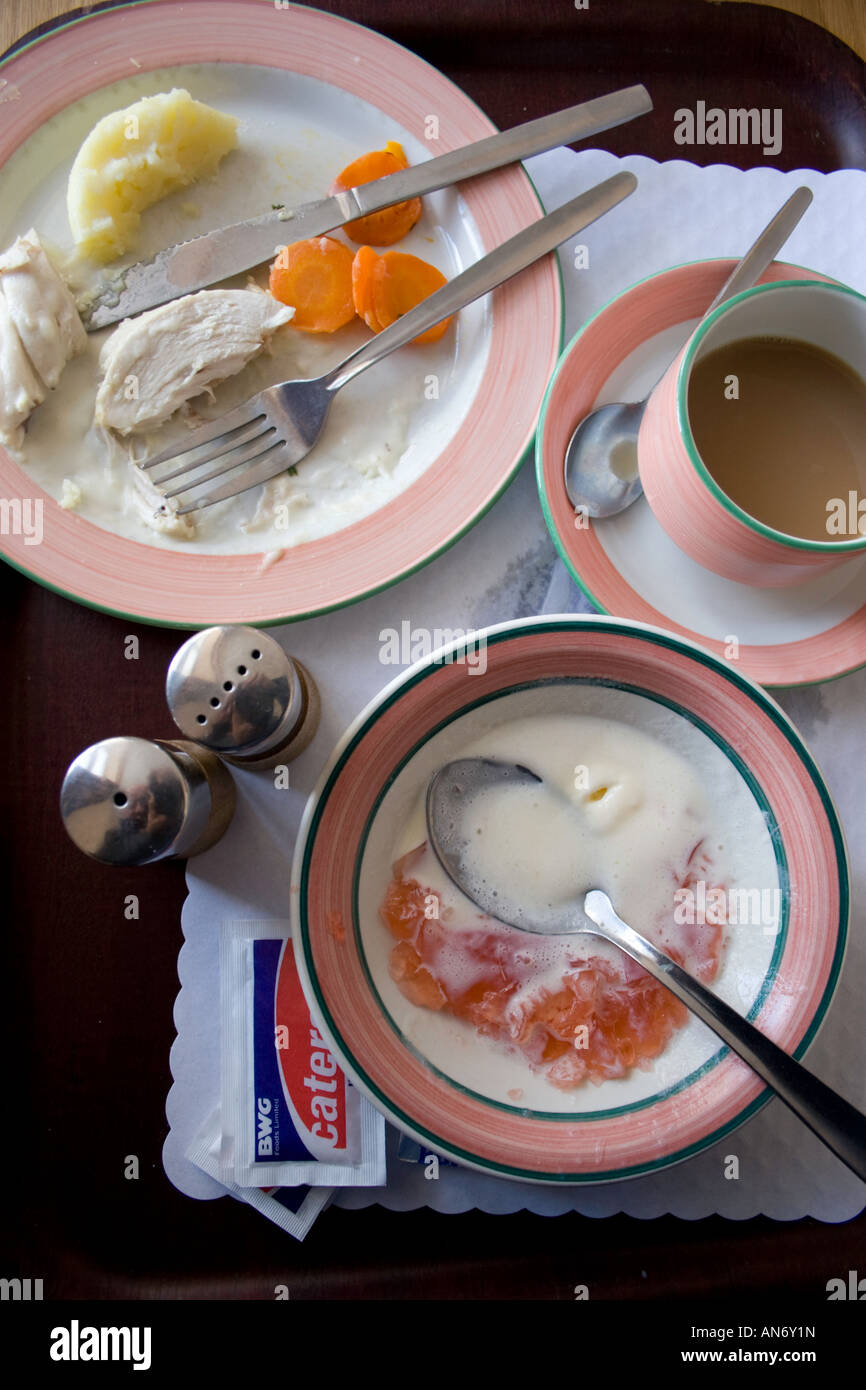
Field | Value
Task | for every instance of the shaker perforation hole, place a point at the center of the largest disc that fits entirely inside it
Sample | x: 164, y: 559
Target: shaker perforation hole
x: 215, y: 701
x: 242, y: 670
x: 228, y: 685
x: 256, y: 654
x: 120, y: 798
x: 201, y: 719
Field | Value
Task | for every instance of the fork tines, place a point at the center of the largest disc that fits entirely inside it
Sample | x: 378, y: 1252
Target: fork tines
x: 213, y: 431
x: 243, y: 437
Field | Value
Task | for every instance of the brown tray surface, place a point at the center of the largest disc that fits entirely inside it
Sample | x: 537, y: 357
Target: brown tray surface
x: 88, y: 1019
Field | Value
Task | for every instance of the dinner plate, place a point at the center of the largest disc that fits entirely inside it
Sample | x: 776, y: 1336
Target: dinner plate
x: 696, y: 1092
x: 626, y: 564
x: 372, y: 89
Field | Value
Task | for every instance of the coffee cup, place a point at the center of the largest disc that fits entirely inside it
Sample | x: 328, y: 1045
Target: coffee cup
x: 783, y: 318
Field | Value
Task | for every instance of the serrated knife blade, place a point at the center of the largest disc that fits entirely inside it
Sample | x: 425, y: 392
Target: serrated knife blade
x: 217, y: 255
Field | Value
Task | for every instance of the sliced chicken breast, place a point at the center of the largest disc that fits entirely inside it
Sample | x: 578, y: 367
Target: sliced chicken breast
x: 20, y: 388
x: 41, y: 307
x: 154, y: 363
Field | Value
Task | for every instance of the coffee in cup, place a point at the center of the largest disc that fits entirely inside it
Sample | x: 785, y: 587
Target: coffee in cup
x: 752, y: 447
x: 781, y: 426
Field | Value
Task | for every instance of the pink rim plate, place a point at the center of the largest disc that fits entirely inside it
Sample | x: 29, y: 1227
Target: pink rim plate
x: 117, y: 575
x: 672, y: 297
x: 621, y: 1141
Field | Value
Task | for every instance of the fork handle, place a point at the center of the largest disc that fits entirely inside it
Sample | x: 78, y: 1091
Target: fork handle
x: 509, y: 258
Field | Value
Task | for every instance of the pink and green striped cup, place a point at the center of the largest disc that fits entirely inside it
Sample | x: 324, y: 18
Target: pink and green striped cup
x: 685, y: 498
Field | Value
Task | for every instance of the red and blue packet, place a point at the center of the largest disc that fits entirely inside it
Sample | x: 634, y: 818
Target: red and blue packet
x: 289, y: 1114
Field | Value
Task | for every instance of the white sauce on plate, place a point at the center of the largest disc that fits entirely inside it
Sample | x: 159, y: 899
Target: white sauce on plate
x: 384, y: 429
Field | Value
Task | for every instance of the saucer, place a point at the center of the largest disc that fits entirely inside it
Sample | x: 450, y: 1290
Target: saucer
x: 626, y: 564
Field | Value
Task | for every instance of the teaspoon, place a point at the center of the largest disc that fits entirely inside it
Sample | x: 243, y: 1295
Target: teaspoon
x: 601, y: 473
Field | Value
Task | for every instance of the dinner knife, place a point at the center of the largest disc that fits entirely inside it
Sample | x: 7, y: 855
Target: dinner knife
x: 205, y: 260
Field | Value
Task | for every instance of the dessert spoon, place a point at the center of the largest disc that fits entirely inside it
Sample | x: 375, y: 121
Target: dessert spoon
x: 450, y: 793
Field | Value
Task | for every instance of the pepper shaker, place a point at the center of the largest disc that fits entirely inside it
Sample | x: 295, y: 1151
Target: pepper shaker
x: 235, y: 691
x: 132, y: 801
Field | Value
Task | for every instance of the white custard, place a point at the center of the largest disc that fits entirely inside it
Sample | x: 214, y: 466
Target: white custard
x: 613, y: 807
x: 673, y: 808
x: 384, y: 429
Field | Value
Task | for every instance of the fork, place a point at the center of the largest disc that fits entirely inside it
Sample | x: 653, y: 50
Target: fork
x: 277, y: 428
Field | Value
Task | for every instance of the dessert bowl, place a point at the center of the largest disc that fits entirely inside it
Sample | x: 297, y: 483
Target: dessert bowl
x: 469, y: 1097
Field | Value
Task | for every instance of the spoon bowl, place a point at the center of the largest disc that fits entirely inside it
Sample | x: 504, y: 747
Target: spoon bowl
x: 601, y: 473
x: 450, y: 793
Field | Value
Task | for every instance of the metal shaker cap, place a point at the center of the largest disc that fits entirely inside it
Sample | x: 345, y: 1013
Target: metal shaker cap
x: 236, y: 691
x: 133, y: 801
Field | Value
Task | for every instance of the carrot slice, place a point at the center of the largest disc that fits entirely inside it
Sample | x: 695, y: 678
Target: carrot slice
x: 388, y: 225
x: 315, y: 276
x: 400, y: 282
x: 375, y: 165
x: 363, y: 270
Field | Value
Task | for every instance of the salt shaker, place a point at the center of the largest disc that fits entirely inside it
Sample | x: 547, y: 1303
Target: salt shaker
x: 235, y: 691
x: 134, y: 801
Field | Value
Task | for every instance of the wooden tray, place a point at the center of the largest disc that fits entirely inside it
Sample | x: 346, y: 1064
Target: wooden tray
x: 88, y: 1015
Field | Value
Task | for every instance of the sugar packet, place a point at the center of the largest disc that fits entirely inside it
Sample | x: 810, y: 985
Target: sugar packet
x: 289, y: 1114
x: 294, y: 1209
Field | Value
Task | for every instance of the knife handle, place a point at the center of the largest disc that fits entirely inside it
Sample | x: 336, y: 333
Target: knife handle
x: 508, y: 147
x: 512, y: 256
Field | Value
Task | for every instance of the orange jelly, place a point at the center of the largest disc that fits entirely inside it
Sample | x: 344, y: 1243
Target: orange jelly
x: 600, y: 1019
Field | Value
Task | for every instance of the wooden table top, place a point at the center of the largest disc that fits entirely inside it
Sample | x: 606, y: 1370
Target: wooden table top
x: 844, y: 18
